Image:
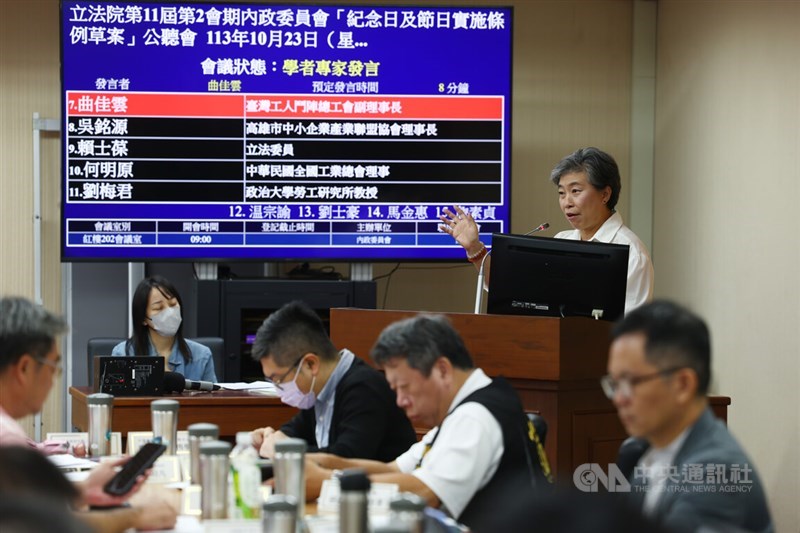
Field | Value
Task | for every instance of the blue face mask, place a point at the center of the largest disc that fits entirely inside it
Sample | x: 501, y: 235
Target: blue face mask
x: 290, y: 393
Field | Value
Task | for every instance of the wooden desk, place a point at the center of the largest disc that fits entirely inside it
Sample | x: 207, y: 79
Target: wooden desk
x: 232, y: 411
x: 554, y: 364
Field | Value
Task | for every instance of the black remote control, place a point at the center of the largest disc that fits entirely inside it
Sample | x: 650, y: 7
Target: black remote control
x: 125, y: 479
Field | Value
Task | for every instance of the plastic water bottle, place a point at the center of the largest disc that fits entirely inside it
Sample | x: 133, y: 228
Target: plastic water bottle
x: 245, y: 493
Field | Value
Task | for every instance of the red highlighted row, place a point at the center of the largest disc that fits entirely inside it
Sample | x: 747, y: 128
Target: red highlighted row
x: 295, y: 106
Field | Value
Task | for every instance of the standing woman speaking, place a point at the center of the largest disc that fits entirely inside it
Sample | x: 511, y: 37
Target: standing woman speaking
x: 158, y: 330
x: 588, y: 184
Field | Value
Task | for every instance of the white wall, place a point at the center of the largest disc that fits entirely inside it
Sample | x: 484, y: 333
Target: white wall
x: 727, y: 184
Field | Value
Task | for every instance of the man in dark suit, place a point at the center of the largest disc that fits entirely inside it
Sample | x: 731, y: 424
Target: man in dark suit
x: 346, y: 406
x: 695, y: 475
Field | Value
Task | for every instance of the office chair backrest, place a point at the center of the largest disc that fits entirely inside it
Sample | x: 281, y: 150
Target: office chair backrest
x: 217, y: 347
x: 542, y: 473
x: 98, y: 346
x: 539, y: 424
x: 630, y: 451
x: 104, y: 345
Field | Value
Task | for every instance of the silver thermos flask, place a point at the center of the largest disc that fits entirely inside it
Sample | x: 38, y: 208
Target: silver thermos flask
x: 289, y: 470
x: 164, y: 415
x: 100, y: 408
x: 199, y: 433
x: 214, y: 476
x: 354, y: 485
x: 408, y: 511
x: 279, y: 514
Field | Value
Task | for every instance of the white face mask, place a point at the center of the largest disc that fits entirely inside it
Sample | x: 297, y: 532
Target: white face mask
x: 290, y: 393
x: 167, y: 322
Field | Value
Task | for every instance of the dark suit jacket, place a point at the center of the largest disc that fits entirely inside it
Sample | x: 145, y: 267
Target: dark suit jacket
x: 366, y: 423
x: 716, y: 504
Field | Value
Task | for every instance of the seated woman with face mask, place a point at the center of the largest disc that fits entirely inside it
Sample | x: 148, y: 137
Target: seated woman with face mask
x: 157, y: 330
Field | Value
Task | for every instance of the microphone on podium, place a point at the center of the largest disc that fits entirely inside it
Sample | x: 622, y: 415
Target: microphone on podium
x: 175, y: 382
x: 481, y: 270
x: 540, y: 227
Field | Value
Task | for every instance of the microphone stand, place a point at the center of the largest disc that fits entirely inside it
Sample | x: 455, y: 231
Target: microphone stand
x: 479, y: 290
x: 481, y: 270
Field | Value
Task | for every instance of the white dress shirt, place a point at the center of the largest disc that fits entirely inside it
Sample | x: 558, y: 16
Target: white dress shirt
x: 466, y: 454
x: 656, y: 465
x: 639, y: 289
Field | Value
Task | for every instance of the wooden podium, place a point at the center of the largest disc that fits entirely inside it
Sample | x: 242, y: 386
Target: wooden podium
x: 555, y: 364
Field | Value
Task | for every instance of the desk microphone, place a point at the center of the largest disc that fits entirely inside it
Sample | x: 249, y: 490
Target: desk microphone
x: 481, y: 270
x: 540, y: 227
x: 175, y: 382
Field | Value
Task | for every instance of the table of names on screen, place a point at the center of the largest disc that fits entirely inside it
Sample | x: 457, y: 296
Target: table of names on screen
x: 274, y: 169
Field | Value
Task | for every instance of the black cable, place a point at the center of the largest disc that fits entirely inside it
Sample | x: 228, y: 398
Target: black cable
x: 397, y: 266
x: 388, y: 281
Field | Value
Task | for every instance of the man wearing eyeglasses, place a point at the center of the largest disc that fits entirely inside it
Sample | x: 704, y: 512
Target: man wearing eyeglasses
x: 28, y: 379
x: 29, y: 364
x: 694, y: 475
x: 346, y: 406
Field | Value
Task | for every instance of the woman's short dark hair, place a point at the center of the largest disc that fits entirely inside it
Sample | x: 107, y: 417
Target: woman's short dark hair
x: 599, y: 166
x: 421, y: 341
x: 140, y: 341
x: 293, y: 330
x: 676, y: 337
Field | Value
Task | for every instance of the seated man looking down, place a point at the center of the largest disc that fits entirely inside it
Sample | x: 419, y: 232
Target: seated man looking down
x: 29, y: 363
x: 346, y: 406
x: 481, y: 447
x: 695, y: 476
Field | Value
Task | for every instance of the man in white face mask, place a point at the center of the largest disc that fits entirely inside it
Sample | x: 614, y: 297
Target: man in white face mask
x: 347, y: 408
x: 156, y: 316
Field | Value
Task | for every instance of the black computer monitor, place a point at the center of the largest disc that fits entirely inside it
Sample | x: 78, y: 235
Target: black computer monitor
x: 557, y: 277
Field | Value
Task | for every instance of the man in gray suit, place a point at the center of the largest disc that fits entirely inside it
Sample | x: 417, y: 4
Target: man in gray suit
x: 695, y: 476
